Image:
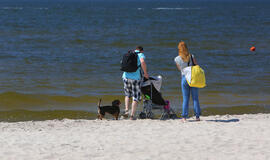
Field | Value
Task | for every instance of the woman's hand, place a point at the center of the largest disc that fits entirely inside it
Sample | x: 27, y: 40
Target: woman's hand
x: 195, y: 62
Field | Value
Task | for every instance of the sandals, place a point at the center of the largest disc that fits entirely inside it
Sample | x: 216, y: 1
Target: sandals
x: 184, y: 120
x: 132, y: 118
x: 126, y: 113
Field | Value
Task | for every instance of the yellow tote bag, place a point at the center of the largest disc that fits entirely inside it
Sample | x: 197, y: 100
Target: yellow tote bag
x: 194, y: 75
x: 197, y: 77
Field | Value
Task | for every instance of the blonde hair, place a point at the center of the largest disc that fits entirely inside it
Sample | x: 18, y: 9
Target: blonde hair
x: 183, y: 51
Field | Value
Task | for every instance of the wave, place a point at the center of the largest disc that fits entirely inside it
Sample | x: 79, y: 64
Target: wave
x: 12, y: 8
x: 42, y: 8
x: 266, y: 23
x: 7, y: 56
x: 175, y: 8
x: 21, y: 8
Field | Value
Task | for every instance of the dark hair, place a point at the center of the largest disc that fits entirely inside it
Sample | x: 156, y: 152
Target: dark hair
x: 140, y: 48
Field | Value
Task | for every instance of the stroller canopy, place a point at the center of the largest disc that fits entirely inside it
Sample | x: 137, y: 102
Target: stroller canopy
x: 156, y: 81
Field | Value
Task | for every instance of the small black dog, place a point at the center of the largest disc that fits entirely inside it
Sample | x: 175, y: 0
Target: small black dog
x: 114, y: 109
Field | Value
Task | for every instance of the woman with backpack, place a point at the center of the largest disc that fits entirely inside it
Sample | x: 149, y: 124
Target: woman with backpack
x: 185, y: 59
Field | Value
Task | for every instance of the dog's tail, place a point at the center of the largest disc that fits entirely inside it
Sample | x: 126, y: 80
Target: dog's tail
x: 99, y: 105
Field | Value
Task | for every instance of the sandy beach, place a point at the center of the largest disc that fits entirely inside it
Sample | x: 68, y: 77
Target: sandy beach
x: 243, y: 137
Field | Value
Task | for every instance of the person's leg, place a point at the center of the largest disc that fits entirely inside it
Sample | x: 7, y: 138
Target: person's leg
x: 136, y: 94
x: 126, y: 103
x: 196, y: 103
x: 186, y: 94
x: 128, y: 94
x: 134, y: 107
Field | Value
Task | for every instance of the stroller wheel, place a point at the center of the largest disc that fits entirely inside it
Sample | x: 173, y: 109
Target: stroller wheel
x: 142, y: 115
x: 150, y: 115
x: 164, y: 117
x: 173, y: 116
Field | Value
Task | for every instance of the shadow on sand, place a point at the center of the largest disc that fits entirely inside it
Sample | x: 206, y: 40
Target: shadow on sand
x: 224, y: 121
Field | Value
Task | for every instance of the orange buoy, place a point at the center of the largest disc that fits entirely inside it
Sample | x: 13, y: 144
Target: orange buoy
x: 252, y: 48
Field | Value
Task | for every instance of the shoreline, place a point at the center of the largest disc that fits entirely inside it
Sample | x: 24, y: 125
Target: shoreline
x: 215, y: 137
x: 43, y: 115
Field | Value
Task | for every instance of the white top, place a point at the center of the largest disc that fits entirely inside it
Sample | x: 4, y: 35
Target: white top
x: 178, y: 60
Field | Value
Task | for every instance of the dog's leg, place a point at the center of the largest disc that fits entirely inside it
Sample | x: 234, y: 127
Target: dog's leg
x: 98, y: 107
x: 116, y: 115
x: 101, y: 117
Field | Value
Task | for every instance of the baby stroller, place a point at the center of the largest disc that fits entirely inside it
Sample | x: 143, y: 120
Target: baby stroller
x: 152, y: 99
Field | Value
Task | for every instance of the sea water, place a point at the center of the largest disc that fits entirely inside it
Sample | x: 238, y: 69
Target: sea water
x: 57, y: 58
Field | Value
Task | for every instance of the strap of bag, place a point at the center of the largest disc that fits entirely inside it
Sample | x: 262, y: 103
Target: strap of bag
x: 191, y: 60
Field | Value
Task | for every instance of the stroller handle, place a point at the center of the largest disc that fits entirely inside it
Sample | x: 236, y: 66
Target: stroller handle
x: 150, y: 78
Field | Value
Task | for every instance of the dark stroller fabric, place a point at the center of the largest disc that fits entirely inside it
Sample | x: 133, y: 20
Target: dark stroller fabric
x: 155, y: 95
x: 152, y: 99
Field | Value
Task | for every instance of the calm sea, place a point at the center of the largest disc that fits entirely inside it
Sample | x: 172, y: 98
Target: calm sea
x: 57, y: 58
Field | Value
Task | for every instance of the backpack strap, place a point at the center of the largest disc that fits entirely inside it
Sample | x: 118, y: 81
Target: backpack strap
x: 137, y: 56
x: 140, y: 67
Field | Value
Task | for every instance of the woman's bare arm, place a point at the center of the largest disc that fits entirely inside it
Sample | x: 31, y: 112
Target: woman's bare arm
x: 178, y: 67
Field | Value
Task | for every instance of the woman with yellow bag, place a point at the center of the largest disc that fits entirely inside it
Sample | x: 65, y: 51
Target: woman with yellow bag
x: 184, y: 60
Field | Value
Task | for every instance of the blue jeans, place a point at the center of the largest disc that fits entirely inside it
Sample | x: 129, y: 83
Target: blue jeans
x: 186, y: 89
